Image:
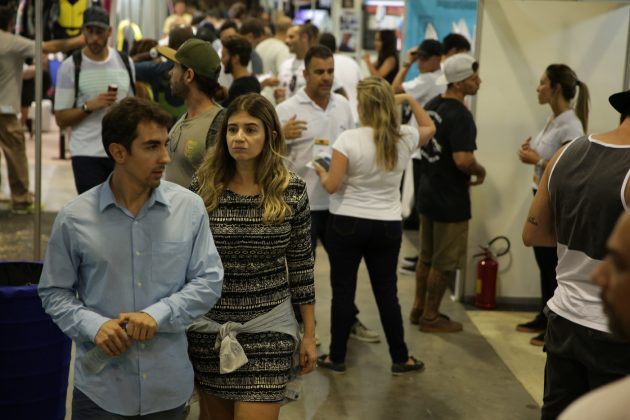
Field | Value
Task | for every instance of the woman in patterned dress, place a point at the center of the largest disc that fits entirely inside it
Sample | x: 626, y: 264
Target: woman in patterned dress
x: 260, y: 221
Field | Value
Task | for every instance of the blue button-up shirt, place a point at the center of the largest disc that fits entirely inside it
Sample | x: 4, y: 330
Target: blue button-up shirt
x: 102, y: 260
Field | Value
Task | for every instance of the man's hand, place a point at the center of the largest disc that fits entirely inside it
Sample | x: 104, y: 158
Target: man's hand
x: 293, y: 128
x: 279, y: 94
x: 112, y: 338
x: 478, y: 177
x: 270, y: 81
x: 140, y: 326
x: 308, y: 354
x: 103, y: 100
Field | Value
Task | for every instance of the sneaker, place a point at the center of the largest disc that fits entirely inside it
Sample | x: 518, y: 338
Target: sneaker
x: 402, y: 368
x: 537, y: 325
x: 440, y: 325
x: 363, y: 333
x: 407, y: 270
x: 339, y: 368
x: 410, y: 260
x: 23, y: 208
x: 539, y: 340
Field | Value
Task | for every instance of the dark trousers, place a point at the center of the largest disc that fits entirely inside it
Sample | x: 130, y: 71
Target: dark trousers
x: 84, y: 408
x: 547, y: 260
x: 579, y: 359
x: 90, y: 171
x: 349, y: 240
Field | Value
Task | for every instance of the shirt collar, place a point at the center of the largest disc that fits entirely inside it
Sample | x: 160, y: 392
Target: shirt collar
x: 303, y: 98
x: 107, y: 199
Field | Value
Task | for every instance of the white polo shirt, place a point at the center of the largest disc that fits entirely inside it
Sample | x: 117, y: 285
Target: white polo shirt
x: 323, y: 126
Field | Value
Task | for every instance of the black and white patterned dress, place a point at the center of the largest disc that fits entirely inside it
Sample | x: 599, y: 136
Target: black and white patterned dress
x: 255, y: 258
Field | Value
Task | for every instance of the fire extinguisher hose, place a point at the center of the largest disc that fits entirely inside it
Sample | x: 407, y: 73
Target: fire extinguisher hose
x: 503, y: 251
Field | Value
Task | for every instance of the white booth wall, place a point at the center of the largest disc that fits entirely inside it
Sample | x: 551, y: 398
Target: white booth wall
x: 516, y: 41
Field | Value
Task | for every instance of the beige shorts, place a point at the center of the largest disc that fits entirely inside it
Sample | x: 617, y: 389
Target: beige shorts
x: 442, y: 245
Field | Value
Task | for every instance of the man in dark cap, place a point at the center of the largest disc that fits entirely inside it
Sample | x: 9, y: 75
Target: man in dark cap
x: 88, y: 83
x: 582, y: 193
x: 194, y: 79
x: 422, y: 88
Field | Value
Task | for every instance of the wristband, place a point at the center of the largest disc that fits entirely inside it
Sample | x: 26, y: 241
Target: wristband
x: 85, y: 109
x: 541, y: 163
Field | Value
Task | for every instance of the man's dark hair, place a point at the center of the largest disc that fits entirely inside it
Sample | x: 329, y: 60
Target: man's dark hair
x: 7, y: 14
x: 253, y: 26
x: 311, y: 31
x: 457, y: 41
x: 328, y: 40
x: 120, y: 124
x: 318, y: 51
x: 227, y: 25
x: 238, y: 45
x: 206, y: 85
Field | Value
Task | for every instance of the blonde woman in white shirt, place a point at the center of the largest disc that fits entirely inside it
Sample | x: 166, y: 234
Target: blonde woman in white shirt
x: 557, y: 88
x: 365, y: 221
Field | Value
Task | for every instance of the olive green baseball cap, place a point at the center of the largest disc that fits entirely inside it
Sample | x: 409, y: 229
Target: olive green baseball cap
x: 197, y: 55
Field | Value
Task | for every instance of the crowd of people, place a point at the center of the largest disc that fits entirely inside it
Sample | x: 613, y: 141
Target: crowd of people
x: 211, y: 163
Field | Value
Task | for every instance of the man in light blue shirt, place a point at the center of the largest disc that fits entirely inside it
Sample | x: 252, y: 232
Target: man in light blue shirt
x: 129, y: 265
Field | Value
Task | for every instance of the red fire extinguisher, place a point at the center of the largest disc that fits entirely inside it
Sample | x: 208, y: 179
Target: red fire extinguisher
x: 487, y: 268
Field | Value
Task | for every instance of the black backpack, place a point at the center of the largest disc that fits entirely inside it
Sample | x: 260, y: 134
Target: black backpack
x: 77, y: 57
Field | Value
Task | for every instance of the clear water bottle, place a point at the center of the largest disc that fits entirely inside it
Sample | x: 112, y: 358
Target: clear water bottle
x: 95, y: 360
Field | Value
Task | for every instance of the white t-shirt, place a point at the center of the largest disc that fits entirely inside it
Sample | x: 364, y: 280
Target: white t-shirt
x: 369, y: 192
x: 273, y: 53
x: 423, y: 88
x: 95, y: 76
x: 557, y: 131
x: 323, y: 126
x: 348, y: 73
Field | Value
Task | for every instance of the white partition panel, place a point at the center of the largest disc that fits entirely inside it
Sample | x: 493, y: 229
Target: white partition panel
x: 518, y: 39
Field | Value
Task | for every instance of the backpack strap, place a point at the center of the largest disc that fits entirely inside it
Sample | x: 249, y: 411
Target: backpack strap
x: 125, y: 59
x: 76, y: 58
x: 213, y: 131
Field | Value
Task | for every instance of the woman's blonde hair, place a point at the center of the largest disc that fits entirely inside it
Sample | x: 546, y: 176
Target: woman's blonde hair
x: 219, y: 167
x: 377, y: 109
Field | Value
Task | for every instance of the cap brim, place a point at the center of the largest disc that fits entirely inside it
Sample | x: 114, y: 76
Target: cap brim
x: 440, y: 81
x: 97, y: 24
x: 169, y: 53
x: 620, y: 101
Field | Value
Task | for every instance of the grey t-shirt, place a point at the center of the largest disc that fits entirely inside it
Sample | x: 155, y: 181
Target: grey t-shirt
x: 13, y: 50
x: 187, y: 146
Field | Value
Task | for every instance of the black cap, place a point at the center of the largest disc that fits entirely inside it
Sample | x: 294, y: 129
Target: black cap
x: 429, y: 48
x: 621, y: 101
x: 96, y: 16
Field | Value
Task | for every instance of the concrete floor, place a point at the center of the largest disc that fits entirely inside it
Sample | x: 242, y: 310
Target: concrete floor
x: 489, y: 371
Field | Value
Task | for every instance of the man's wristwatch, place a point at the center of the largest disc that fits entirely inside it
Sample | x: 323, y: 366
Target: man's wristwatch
x: 541, y: 163
x: 85, y: 109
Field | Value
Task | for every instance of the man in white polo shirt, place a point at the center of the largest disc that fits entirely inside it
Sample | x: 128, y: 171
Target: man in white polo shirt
x: 312, y: 120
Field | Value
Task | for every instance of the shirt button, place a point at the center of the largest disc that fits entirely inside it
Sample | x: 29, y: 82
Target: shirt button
x: 137, y: 252
x: 142, y: 346
x: 139, y: 284
x: 135, y: 222
x: 144, y: 376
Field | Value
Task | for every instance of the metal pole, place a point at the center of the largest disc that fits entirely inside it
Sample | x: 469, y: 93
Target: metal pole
x: 38, y: 130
